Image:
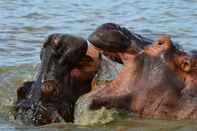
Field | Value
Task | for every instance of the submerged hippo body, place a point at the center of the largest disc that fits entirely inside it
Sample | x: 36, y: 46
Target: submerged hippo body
x: 66, y: 73
x: 159, y: 81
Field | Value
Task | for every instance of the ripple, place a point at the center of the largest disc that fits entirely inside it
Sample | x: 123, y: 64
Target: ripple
x: 169, y: 13
x: 186, y: 30
x: 35, y: 15
x: 25, y: 27
x: 37, y: 29
x: 140, y: 19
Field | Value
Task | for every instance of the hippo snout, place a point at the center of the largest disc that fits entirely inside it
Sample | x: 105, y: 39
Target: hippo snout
x: 112, y: 37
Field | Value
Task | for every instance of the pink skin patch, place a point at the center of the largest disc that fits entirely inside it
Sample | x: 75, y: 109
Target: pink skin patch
x: 75, y: 72
x: 56, y: 42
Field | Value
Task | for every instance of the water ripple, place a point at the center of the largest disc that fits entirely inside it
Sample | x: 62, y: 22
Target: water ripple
x: 37, y: 29
x: 35, y: 15
x: 26, y: 24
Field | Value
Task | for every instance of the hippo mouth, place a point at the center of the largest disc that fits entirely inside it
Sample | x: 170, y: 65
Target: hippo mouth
x: 112, y: 39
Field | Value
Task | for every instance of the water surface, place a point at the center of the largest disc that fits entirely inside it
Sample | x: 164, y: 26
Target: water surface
x: 25, y: 24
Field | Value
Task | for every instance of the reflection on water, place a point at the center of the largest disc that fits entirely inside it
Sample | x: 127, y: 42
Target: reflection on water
x: 25, y: 24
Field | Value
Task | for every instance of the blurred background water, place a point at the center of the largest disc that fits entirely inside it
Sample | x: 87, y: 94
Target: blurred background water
x: 25, y: 24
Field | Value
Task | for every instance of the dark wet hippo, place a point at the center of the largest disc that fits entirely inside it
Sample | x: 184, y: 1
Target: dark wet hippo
x: 115, y: 38
x: 157, y: 80
x: 66, y: 72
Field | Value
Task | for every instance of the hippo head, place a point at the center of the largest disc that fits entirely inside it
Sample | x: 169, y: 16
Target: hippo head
x: 178, y: 61
x: 61, y: 53
x: 158, y: 82
x: 166, y: 87
x: 53, y: 91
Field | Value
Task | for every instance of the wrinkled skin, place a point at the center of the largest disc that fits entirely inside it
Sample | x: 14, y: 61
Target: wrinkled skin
x: 158, y: 82
x: 65, y: 74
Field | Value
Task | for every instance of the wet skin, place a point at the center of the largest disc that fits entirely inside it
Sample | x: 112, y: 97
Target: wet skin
x: 158, y: 82
x: 66, y: 72
x: 112, y: 37
x: 50, y: 89
x: 157, y: 79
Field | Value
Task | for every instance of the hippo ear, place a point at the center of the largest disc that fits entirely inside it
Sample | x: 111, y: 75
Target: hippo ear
x: 53, y: 40
x: 185, y: 65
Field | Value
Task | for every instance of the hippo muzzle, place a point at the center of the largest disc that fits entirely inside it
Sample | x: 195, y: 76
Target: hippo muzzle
x: 112, y: 37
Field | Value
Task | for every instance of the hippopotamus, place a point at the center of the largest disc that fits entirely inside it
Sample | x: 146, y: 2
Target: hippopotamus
x: 66, y: 71
x: 157, y: 80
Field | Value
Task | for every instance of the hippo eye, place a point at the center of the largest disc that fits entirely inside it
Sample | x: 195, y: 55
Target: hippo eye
x: 160, y: 43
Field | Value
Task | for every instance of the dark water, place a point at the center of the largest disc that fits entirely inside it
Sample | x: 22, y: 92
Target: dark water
x: 25, y: 24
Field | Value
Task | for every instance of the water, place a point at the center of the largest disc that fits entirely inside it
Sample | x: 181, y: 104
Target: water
x: 25, y: 24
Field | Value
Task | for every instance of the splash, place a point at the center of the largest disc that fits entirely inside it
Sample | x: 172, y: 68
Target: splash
x: 84, y: 116
x: 10, y: 78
